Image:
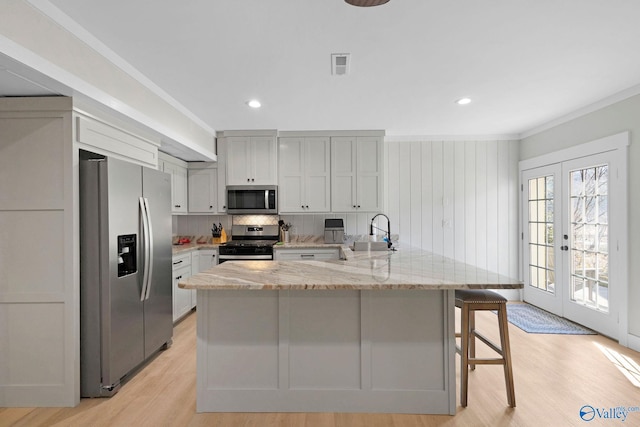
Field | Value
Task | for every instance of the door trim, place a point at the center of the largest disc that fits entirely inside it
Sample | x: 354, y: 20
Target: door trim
x: 618, y: 146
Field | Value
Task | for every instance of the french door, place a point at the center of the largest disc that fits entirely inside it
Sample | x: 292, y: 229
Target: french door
x: 568, y: 259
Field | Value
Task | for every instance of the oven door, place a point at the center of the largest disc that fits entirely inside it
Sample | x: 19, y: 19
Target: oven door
x: 225, y: 258
x: 252, y: 199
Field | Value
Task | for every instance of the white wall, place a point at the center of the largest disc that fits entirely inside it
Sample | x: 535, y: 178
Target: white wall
x: 456, y: 198
x: 610, y: 120
x: 34, y: 39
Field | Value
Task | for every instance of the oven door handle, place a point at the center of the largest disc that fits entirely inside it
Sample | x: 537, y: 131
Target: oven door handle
x: 245, y: 257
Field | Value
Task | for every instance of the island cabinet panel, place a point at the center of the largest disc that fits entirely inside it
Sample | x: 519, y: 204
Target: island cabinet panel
x: 339, y: 350
x: 324, y: 340
x: 406, y: 349
x: 245, y: 325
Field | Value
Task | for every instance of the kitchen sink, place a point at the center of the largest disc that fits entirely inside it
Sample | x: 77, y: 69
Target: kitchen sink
x: 369, y: 246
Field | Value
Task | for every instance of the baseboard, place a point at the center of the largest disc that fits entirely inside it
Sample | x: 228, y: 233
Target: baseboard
x: 633, y: 342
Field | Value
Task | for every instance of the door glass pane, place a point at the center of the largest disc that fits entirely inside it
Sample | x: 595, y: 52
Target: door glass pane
x: 589, y: 218
x: 541, y: 233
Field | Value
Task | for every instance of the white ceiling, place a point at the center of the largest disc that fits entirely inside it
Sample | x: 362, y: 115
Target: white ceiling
x: 523, y: 63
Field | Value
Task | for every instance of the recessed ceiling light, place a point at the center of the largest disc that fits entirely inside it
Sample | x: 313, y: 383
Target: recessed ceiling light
x: 254, y: 103
x: 463, y: 101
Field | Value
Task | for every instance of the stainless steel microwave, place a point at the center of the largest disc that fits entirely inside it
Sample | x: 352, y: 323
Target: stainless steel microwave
x: 252, y: 199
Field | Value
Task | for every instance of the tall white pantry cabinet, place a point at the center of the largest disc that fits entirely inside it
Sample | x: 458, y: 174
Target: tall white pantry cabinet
x: 39, y: 242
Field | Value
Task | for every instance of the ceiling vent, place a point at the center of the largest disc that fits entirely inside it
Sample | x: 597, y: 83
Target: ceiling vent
x: 340, y: 63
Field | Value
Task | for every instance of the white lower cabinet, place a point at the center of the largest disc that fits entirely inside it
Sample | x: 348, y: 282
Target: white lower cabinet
x: 306, y: 254
x: 207, y: 258
x: 182, y: 303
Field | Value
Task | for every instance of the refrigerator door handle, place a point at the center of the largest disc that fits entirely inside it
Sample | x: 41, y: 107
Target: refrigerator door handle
x: 145, y: 246
x: 150, y: 248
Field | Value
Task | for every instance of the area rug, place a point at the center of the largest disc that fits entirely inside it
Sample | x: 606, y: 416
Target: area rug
x: 534, y: 320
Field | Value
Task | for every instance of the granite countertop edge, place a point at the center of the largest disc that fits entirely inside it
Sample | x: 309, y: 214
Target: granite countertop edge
x: 408, y: 268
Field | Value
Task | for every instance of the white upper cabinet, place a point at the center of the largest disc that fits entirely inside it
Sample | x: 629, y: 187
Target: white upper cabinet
x: 304, y: 179
x: 203, y: 188
x: 221, y: 151
x: 178, y: 171
x: 252, y: 160
x: 356, y: 174
x: 207, y: 184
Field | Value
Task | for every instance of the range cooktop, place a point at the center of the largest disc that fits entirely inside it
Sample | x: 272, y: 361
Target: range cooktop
x: 249, y: 243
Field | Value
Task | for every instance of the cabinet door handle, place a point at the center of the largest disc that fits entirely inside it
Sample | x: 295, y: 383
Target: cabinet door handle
x: 210, y: 207
x: 179, y: 277
x: 248, y: 179
x: 358, y: 206
x: 175, y: 206
x: 307, y: 255
x: 307, y: 206
x: 177, y: 262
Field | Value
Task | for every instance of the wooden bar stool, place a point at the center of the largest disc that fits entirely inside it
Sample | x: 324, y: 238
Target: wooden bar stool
x: 470, y: 301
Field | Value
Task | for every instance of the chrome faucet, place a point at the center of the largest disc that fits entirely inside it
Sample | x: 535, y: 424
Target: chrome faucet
x: 371, y: 227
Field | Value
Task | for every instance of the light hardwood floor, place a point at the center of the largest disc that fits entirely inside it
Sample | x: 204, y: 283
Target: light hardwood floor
x: 555, y: 375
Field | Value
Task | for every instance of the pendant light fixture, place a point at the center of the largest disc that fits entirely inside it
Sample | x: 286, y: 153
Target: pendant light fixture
x: 366, y: 3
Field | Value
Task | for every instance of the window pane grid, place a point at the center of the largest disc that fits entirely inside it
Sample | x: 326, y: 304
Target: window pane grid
x: 589, y: 233
x: 541, y: 236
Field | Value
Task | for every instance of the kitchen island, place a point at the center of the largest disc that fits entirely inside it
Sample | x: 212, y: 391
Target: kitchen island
x: 372, y: 332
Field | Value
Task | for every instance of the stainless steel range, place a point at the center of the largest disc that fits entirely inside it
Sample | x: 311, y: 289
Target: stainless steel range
x: 250, y: 243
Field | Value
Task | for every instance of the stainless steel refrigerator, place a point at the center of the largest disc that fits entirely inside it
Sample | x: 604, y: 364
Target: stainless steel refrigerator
x: 125, y: 270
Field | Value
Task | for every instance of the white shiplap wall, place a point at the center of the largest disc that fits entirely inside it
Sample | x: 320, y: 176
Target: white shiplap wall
x: 456, y: 198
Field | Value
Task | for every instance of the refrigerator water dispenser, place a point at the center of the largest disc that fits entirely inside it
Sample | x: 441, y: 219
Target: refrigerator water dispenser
x: 127, y: 255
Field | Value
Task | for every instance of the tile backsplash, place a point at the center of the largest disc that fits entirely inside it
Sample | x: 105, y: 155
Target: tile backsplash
x: 199, y: 225
x: 355, y: 224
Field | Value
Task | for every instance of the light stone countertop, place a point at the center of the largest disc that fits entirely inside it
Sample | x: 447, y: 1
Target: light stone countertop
x: 187, y: 247
x: 406, y: 268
